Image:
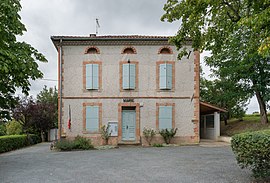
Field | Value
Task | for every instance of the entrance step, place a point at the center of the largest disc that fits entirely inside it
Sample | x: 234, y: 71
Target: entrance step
x: 129, y: 144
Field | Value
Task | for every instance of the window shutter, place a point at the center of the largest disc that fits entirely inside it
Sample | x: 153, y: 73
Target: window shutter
x: 165, y: 117
x: 169, y: 76
x: 92, y: 73
x: 129, y: 76
x: 132, y: 76
x: 165, y: 76
x: 88, y: 75
x: 125, y: 75
x: 95, y: 76
x: 162, y: 76
x: 92, y: 118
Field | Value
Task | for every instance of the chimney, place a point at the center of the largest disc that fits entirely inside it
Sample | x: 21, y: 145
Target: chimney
x: 92, y: 35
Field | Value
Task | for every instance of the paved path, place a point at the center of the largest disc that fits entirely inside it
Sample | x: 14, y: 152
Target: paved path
x: 128, y: 164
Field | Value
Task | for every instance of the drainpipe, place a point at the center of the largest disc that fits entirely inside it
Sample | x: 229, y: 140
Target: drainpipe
x: 60, y: 90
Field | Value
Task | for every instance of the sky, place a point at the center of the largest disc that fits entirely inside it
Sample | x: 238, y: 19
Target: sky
x: 44, y: 19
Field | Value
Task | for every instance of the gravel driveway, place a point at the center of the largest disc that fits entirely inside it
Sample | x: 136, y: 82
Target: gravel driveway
x: 127, y: 164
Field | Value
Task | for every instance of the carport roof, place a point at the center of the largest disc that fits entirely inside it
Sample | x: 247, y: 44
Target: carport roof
x: 206, y: 108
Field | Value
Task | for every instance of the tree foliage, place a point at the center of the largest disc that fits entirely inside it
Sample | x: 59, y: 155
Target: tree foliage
x: 18, y: 59
x: 37, y: 116
x: 225, y: 94
x: 236, y: 33
x: 13, y: 128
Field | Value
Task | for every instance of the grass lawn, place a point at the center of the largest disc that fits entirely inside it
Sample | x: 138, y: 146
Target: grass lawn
x: 249, y: 123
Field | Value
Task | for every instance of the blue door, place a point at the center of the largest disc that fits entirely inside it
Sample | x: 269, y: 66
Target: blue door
x: 128, y: 124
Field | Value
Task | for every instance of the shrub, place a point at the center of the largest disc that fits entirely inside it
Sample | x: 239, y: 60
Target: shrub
x: 158, y: 145
x: 12, y: 142
x: 65, y: 145
x: 3, y: 129
x: 76, y: 144
x: 82, y: 143
x: 105, y: 133
x: 14, y: 128
x: 168, y: 134
x: 252, y: 151
x: 148, y: 134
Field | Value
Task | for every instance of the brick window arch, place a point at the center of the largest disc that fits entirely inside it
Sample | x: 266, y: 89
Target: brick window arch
x: 165, y: 50
x: 129, y: 50
x: 92, y: 50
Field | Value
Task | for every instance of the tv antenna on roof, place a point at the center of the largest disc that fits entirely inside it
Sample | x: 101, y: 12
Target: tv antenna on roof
x: 97, y: 26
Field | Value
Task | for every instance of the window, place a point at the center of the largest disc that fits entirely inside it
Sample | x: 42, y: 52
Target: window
x: 92, y: 117
x: 165, y: 76
x: 165, y: 117
x: 165, y: 50
x: 128, y: 75
x: 92, y: 50
x: 92, y: 75
x: 129, y: 50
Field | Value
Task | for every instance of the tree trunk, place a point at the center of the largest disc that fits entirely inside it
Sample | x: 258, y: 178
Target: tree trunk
x: 225, y: 118
x: 263, y: 112
x: 42, y: 136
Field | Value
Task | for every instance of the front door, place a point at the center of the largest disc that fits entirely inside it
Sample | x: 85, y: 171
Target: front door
x: 128, y: 124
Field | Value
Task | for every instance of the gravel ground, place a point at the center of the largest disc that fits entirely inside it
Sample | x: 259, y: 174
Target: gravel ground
x: 206, y: 163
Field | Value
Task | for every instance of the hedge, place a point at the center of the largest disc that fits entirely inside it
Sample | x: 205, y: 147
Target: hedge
x: 12, y: 142
x: 252, y: 150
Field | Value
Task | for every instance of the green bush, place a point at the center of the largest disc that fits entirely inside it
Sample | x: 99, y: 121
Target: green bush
x: 79, y: 143
x: 168, y: 134
x: 83, y: 143
x: 12, y: 142
x: 252, y: 151
x: 14, y: 128
x: 3, y: 129
x: 158, y: 145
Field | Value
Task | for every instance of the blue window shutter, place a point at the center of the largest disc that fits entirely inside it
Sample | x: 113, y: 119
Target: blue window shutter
x: 165, y: 117
x: 88, y: 75
x: 92, y: 118
x: 132, y: 76
x: 95, y: 76
x: 92, y: 72
x: 129, y: 76
x: 162, y: 76
x: 125, y: 75
x: 169, y: 76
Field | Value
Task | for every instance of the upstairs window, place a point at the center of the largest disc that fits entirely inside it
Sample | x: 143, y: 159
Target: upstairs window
x: 165, y: 50
x: 129, y: 76
x: 92, y: 50
x: 92, y: 75
x: 129, y: 50
x: 165, y: 76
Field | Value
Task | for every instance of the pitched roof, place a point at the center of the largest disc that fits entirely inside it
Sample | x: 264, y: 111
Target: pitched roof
x: 94, y: 36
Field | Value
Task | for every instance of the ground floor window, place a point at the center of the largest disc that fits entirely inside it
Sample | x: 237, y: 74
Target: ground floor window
x: 165, y: 116
x: 92, y: 117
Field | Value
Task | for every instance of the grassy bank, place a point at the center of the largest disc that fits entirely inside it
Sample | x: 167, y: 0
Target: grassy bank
x: 249, y: 123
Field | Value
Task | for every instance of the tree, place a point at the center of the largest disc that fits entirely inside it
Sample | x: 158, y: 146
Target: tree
x: 23, y: 113
x: 50, y: 96
x: 13, y: 128
x: 226, y: 94
x: 236, y: 33
x: 18, y: 59
x: 43, y: 118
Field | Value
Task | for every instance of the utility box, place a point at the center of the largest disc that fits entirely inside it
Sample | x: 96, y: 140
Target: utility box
x: 113, y: 128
